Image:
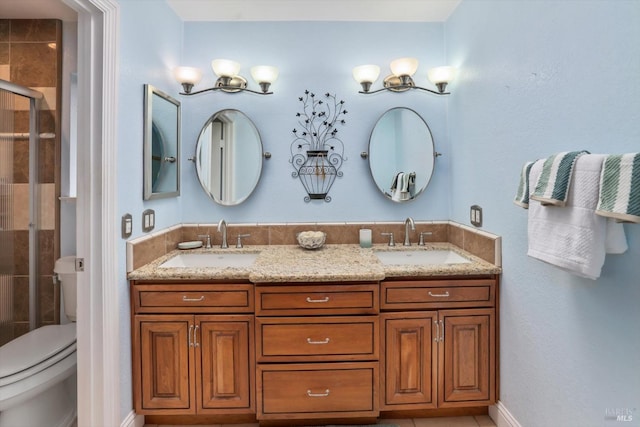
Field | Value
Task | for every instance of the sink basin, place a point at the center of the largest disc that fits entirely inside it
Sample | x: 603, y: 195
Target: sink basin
x: 210, y: 260
x: 439, y: 256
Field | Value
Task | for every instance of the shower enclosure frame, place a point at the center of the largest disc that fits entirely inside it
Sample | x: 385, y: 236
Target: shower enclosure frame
x: 35, y: 98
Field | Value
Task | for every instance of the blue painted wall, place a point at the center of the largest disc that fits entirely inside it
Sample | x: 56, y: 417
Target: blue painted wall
x: 318, y: 56
x: 540, y: 77
x: 146, y: 56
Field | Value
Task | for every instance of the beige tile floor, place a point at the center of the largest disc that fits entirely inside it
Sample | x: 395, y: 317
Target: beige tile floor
x: 477, y: 421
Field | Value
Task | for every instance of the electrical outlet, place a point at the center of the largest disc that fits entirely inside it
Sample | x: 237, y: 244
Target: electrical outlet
x: 127, y: 226
x: 148, y: 220
x: 476, y: 215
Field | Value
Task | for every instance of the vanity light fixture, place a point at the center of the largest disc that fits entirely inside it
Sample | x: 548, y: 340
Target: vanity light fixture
x: 401, y: 79
x: 228, y: 80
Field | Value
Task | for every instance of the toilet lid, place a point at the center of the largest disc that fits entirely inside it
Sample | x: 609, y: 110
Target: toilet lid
x: 38, y: 348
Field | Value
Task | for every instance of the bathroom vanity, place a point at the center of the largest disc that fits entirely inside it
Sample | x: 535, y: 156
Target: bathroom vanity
x: 330, y: 334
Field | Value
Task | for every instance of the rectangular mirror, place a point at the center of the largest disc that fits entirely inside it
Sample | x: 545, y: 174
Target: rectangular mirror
x: 161, y: 144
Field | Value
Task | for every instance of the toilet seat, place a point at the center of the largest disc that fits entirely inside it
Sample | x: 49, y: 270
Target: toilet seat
x: 35, y: 351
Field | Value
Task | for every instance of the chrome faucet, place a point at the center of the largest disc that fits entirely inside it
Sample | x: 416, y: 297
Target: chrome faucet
x: 408, y: 223
x: 222, y: 227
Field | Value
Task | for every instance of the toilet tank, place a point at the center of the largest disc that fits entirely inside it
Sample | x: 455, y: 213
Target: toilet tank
x: 65, y: 270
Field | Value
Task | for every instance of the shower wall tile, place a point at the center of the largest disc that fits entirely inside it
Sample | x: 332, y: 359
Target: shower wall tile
x: 31, y: 30
x: 20, y: 206
x: 33, y: 65
x: 30, y: 56
x: 46, y: 299
x: 21, y: 161
x: 21, y: 253
x: 5, y: 30
x: 47, y: 161
x: 47, y: 214
x: 21, y: 299
x: 46, y: 247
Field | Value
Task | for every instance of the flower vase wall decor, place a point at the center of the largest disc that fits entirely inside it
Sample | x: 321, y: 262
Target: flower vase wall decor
x: 316, y: 152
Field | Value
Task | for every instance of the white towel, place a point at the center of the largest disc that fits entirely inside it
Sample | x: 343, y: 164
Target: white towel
x: 396, y: 186
x: 572, y: 237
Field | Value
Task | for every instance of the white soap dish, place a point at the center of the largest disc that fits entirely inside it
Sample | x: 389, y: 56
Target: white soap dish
x: 194, y: 244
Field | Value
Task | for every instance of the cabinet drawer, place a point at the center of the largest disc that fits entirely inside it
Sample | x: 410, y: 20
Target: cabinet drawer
x: 317, y: 299
x: 306, y: 339
x: 193, y: 298
x: 317, y: 390
x: 437, y: 294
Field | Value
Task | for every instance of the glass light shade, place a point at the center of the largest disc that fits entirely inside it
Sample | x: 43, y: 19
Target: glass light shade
x: 264, y: 74
x: 225, y: 67
x: 404, y: 66
x: 190, y: 75
x: 366, y: 73
x: 445, y: 74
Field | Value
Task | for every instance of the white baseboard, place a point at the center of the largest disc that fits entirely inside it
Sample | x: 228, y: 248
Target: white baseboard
x: 133, y: 420
x: 502, y: 417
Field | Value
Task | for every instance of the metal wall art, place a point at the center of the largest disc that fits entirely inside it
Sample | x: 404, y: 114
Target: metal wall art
x: 316, y: 152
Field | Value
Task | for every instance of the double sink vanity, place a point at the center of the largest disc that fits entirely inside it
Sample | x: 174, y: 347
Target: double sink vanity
x: 280, y: 334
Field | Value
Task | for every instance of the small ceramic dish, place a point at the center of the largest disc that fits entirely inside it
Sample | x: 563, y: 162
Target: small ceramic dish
x: 194, y: 244
x: 311, y: 239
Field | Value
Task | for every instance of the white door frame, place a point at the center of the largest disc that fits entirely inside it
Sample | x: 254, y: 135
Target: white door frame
x: 98, y: 308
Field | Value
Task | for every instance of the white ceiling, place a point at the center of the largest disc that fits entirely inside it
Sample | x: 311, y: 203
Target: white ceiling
x: 314, y: 10
x: 262, y: 10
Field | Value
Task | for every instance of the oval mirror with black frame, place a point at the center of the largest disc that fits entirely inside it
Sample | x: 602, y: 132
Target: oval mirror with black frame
x: 401, y: 154
x: 161, y: 166
x: 229, y: 157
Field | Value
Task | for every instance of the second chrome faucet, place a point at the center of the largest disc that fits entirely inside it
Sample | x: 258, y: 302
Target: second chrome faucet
x: 408, y: 223
x: 222, y: 227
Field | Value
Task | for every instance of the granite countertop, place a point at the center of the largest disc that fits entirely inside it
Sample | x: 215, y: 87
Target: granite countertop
x: 331, y: 263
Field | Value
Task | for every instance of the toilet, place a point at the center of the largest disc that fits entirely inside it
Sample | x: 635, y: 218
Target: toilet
x: 38, y: 369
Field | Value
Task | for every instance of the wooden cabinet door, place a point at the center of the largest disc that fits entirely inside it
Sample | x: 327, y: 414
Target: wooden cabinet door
x: 467, y: 357
x: 410, y: 360
x: 166, y: 364
x: 224, y: 359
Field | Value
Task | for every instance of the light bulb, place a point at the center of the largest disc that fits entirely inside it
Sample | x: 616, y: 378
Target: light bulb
x: 225, y: 67
x: 445, y: 74
x: 190, y: 75
x: 264, y: 74
x: 366, y: 73
x: 404, y: 66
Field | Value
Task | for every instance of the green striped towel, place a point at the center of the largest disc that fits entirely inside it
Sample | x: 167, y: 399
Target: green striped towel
x: 552, y: 187
x: 522, y: 196
x: 620, y: 188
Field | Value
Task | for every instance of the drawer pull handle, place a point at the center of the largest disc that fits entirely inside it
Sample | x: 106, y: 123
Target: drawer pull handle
x: 312, y: 394
x: 324, y: 341
x: 186, y: 299
x: 446, y: 294
x: 325, y: 299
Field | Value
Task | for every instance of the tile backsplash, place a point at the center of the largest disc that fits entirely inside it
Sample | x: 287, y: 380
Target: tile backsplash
x: 143, y: 250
